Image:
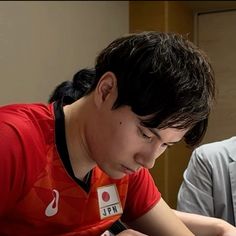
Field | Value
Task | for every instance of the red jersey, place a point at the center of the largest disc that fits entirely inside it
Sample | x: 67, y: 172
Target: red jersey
x: 38, y: 196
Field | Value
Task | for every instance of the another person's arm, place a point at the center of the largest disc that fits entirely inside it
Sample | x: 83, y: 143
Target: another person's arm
x: 195, y: 193
x: 208, y: 184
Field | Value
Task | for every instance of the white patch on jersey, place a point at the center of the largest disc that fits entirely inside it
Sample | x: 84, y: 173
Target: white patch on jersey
x: 52, y: 207
x: 109, y: 201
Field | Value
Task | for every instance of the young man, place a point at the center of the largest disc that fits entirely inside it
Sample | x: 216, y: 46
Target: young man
x: 79, y: 164
x: 209, y: 185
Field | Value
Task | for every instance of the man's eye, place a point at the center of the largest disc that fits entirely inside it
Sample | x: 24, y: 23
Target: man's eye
x: 145, y: 136
x: 165, y: 145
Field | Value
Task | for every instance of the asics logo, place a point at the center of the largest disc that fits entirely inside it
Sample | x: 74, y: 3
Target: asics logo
x: 52, y: 207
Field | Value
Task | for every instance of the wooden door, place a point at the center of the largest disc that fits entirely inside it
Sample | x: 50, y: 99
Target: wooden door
x: 216, y: 34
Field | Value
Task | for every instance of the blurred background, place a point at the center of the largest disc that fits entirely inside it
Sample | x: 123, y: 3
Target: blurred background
x: 43, y: 43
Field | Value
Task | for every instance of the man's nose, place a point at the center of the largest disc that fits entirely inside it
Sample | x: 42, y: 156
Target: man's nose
x: 149, y: 164
x: 148, y: 158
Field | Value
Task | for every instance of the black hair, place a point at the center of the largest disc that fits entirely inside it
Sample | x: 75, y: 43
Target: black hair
x: 76, y: 88
x: 163, y: 77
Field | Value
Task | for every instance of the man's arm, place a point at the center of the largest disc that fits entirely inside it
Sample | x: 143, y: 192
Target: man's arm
x: 206, y: 226
x: 127, y: 232
x: 161, y: 220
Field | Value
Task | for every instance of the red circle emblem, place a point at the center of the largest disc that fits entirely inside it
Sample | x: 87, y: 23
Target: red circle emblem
x: 105, y: 196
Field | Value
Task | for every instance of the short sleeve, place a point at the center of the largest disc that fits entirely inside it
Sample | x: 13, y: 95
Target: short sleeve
x: 142, y: 195
x: 20, y: 151
x: 11, y: 167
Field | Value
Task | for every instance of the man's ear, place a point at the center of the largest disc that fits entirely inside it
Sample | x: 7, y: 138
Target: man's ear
x: 106, y: 89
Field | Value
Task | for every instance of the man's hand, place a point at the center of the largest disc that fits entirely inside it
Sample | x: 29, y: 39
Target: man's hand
x: 127, y: 232
x: 130, y: 232
x: 230, y: 231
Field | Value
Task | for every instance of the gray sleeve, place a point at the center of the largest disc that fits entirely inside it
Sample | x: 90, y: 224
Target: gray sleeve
x: 195, y: 193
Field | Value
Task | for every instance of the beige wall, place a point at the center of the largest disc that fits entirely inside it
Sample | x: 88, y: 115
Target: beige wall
x: 43, y: 43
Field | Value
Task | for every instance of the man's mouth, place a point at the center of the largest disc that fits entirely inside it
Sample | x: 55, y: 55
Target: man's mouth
x: 128, y: 170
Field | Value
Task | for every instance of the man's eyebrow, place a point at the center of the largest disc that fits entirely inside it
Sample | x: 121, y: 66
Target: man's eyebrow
x: 159, y: 137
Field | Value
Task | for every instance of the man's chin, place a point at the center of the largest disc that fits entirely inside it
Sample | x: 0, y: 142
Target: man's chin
x: 116, y: 176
